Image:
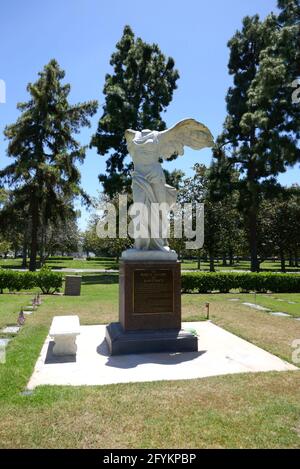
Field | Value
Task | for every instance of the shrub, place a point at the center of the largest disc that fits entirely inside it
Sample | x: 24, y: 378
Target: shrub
x: 5, y: 279
x: 204, y: 282
x: 14, y: 280
x: 59, y: 258
x: 100, y: 258
x: 47, y: 281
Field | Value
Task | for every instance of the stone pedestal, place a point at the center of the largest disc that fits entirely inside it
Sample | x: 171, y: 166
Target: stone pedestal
x: 65, y: 345
x: 149, y: 310
x: 150, y: 295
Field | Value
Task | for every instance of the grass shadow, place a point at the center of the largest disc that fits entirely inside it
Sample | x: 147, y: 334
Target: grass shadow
x: 101, y: 278
x: 10, y: 266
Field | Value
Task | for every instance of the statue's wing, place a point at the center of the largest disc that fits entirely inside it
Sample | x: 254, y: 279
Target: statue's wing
x: 187, y: 132
x: 129, y: 135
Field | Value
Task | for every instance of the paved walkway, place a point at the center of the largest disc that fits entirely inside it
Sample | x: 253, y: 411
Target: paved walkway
x: 220, y: 353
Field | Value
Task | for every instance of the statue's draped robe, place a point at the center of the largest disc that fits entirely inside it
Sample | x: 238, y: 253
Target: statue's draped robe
x: 147, y: 175
x: 143, y: 193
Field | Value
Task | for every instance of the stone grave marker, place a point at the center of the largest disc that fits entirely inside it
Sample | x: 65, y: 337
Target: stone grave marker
x: 72, y: 285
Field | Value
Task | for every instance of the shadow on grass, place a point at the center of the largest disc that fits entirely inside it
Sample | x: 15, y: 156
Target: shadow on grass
x: 101, y: 278
x: 85, y: 265
x: 287, y: 270
x: 10, y: 266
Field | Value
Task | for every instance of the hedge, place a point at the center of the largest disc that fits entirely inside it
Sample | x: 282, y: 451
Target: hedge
x: 45, y: 279
x: 60, y: 258
x: 100, y: 258
x: 205, y: 282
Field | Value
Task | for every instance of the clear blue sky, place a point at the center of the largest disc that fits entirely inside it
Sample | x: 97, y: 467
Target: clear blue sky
x: 81, y: 35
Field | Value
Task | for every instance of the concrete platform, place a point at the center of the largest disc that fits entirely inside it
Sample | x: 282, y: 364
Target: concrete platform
x: 255, y: 306
x: 122, y: 342
x: 220, y: 353
x: 281, y: 314
x: 10, y: 330
x: 4, y: 342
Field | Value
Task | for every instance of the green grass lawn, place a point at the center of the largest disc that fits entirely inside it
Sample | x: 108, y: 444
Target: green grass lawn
x: 110, y: 263
x: 242, y: 265
x: 277, y: 302
x: 246, y: 410
x: 103, y: 263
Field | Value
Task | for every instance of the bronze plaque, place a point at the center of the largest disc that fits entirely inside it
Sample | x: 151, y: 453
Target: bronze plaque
x: 153, y: 291
x: 149, y: 295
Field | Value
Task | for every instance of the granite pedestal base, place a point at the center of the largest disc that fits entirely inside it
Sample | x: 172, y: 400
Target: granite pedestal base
x: 121, y: 342
x: 149, y: 310
x: 150, y: 295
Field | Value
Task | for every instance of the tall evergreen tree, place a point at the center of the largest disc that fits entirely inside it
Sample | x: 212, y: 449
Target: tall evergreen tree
x: 136, y: 93
x: 262, y: 127
x: 44, y: 175
x: 15, y: 223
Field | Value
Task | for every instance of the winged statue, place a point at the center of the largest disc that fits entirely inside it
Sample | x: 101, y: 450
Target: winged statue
x: 147, y: 148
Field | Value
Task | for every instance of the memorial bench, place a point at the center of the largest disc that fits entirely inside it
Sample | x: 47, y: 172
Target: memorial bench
x: 64, y: 330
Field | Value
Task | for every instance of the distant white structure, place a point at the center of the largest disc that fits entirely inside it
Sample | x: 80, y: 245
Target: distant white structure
x: 2, y: 92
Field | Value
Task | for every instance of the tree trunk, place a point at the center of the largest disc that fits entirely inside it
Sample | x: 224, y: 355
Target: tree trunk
x: 199, y: 261
x: 34, y: 234
x: 224, y: 261
x: 24, y: 254
x: 211, y: 262
x: 230, y: 256
x: 296, y: 258
x: 253, y: 245
x: 42, y: 256
x: 282, y: 260
x: 42, y: 246
x: 253, y: 210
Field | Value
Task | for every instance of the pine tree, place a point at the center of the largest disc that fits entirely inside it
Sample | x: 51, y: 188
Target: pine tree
x: 44, y: 175
x: 262, y: 126
x: 15, y: 223
x: 136, y: 93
